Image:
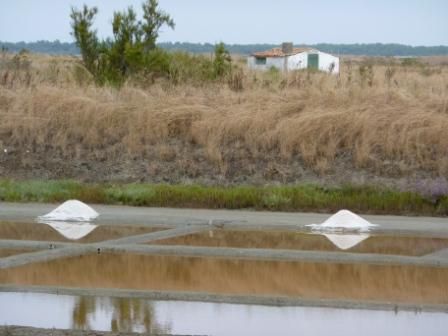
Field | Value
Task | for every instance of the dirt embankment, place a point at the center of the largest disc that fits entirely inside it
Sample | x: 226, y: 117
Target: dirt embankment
x: 189, y: 164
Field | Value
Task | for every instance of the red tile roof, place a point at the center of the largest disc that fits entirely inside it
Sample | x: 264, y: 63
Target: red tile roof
x: 277, y: 52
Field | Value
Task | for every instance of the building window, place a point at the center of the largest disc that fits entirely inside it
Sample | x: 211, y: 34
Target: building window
x: 260, y: 60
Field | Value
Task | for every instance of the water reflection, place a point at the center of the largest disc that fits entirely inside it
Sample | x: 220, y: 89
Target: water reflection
x: 238, y: 276
x: 346, y: 241
x: 60, y: 231
x: 84, y: 307
x: 10, y: 252
x: 201, y: 318
x: 293, y: 240
x: 125, y: 315
x: 71, y: 230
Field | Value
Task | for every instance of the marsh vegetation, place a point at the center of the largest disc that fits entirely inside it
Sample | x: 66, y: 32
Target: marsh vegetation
x: 137, y: 113
x: 385, y: 117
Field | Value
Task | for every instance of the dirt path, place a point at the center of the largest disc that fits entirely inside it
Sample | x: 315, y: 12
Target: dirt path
x: 29, y: 331
x: 119, y: 215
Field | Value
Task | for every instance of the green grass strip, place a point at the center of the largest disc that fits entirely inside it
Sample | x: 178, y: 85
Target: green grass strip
x: 307, y: 198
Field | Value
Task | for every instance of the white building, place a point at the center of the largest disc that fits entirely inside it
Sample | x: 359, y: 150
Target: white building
x: 288, y: 58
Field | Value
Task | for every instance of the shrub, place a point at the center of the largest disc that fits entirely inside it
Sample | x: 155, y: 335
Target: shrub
x: 131, y: 48
x: 222, y: 63
x: 236, y: 80
x: 411, y: 62
x: 366, y: 74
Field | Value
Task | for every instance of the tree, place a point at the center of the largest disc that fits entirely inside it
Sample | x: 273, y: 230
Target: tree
x: 154, y: 19
x: 222, y: 63
x: 125, y: 50
x: 128, y: 50
x: 85, y: 37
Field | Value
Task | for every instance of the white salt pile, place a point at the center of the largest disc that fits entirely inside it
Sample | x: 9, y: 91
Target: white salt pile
x: 344, y: 241
x: 72, y: 210
x: 72, y: 231
x: 343, y: 220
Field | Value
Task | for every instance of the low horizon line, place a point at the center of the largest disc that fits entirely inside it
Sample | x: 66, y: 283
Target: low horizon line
x: 251, y: 43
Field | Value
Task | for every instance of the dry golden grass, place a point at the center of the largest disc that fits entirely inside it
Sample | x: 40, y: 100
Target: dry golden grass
x: 398, y: 116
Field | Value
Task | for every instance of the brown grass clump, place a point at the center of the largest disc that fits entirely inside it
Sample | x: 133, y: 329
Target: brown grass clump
x: 392, y: 120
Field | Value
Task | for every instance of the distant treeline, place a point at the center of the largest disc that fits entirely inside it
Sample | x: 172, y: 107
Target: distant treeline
x: 373, y: 49
x: 44, y: 47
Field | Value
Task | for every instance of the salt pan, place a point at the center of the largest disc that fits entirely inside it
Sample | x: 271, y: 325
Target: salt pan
x: 343, y: 220
x: 72, y: 210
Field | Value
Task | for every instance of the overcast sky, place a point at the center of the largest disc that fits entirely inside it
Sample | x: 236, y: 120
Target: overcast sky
x: 414, y: 22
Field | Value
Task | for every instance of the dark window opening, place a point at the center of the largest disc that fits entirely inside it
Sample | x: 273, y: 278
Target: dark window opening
x: 260, y: 60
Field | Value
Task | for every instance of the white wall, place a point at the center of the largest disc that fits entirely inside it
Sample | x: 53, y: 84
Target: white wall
x: 325, y: 61
x: 296, y: 62
x: 277, y: 62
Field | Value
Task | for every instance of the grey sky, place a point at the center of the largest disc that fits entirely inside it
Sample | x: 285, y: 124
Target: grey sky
x: 414, y: 22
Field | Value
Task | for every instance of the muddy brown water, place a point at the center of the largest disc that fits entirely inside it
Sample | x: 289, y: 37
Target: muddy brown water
x: 44, y: 232
x: 203, y: 318
x: 406, y: 284
x: 272, y: 239
x: 9, y: 252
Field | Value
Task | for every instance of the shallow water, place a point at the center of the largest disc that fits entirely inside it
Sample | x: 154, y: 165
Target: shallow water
x: 198, y: 318
x: 41, y: 231
x: 407, y: 284
x: 10, y: 252
x: 274, y: 239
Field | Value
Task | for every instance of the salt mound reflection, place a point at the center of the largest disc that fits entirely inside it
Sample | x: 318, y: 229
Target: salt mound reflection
x: 70, y: 230
x: 344, y: 241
